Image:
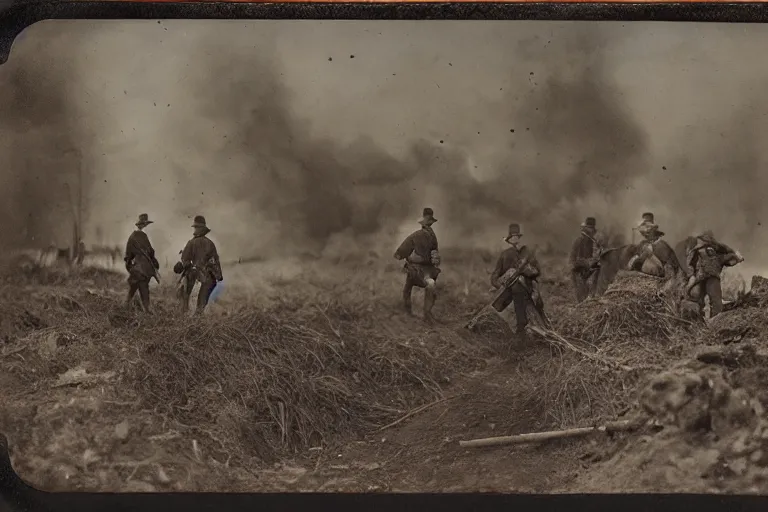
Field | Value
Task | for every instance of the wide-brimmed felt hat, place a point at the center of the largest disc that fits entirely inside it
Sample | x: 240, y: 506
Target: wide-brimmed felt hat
x: 199, y: 222
x: 589, y: 222
x: 144, y: 220
x: 427, y: 217
x: 514, y: 230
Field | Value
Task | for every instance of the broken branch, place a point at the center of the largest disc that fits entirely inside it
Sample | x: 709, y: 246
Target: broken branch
x: 535, y: 437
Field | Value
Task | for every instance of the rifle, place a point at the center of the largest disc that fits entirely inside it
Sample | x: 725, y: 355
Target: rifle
x: 601, y: 252
x: 156, y: 273
x: 508, y: 279
x: 596, y: 270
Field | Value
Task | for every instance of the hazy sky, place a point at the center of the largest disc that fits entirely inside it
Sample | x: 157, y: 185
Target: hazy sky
x: 144, y: 99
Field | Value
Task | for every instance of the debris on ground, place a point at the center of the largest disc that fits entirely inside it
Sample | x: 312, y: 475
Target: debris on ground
x: 104, y: 398
x: 710, y: 437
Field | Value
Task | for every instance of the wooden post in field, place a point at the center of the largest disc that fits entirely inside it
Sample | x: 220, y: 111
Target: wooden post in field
x: 75, y: 242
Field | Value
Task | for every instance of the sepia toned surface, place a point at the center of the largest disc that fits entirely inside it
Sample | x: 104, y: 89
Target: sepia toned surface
x: 312, y: 149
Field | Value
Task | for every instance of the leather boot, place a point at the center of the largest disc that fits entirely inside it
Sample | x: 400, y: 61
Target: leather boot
x: 131, y: 294
x: 407, y: 306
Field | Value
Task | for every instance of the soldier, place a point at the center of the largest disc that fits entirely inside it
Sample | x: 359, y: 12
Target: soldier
x: 651, y: 234
x: 584, y: 260
x: 705, y: 261
x: 648, y: 228
x: 199, y: 263
x: 525, y: 288
x: 422, y: 262
x: 140, y: 262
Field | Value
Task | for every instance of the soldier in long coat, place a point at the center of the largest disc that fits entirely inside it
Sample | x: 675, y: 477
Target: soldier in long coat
x: 584, y: 260
x: 705, y: 261
x: 422, y: 262
x: 651, y: 234
x: 140, y: 262
x: 199, y: 263
x: 516, y: 257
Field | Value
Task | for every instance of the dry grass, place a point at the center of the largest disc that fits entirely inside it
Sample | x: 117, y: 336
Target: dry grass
x: 604, y: 347
x: 631, y: 308
x: 284, y: 361
x: 303, y: 354
x: 287, y: 381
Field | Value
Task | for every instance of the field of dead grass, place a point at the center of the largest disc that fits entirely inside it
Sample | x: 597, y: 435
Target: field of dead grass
x: 289, y: 358
x: 292, y: 359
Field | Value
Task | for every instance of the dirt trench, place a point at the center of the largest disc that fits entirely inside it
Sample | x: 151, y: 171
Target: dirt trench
x: 92, y: 435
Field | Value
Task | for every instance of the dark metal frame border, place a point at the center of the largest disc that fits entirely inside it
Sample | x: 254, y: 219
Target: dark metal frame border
x: 16, y: 15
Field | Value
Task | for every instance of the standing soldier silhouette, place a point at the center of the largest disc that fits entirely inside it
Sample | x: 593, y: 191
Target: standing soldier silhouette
x: 422, y: 262
x: 520, y: 261
x: 584, y: 260
x: 140, y: 262
x: 199, y: 263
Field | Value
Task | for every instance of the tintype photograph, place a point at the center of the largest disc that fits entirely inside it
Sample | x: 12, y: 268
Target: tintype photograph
x: 400, y: 256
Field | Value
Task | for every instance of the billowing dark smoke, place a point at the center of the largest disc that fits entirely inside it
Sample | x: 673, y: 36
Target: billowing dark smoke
x: 40, y: 148
x: 541, y: 124
x: 312, y: 186
x: 573, y: 139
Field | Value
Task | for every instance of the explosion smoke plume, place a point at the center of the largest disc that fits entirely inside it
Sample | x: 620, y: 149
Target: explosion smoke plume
x: 289, y: 145
x: 306, y: 188
x: 41, y: 144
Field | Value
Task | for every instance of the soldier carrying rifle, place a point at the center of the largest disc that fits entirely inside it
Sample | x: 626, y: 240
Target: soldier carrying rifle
x: 515, y: 276
x: 199, y: 263
x: 706, y: 257
x: 140, y: 262
x: 585, y: 260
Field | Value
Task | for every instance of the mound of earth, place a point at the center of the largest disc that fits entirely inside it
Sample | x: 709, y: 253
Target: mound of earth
x: 707, y: 429
x: 634, y: 306
x: 705, y: 435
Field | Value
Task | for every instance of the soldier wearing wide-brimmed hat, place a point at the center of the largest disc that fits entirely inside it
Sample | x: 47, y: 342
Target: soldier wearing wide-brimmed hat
x: 585, y: 260
x: 525, y: 289
x: 705, y: 261
x: 422, y: 262
x: 140, y: 262
x: 199, y: 263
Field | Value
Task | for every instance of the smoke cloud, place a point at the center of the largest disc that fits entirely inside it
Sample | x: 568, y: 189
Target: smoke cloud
x: 293, y: 140
x: 41, y: 147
